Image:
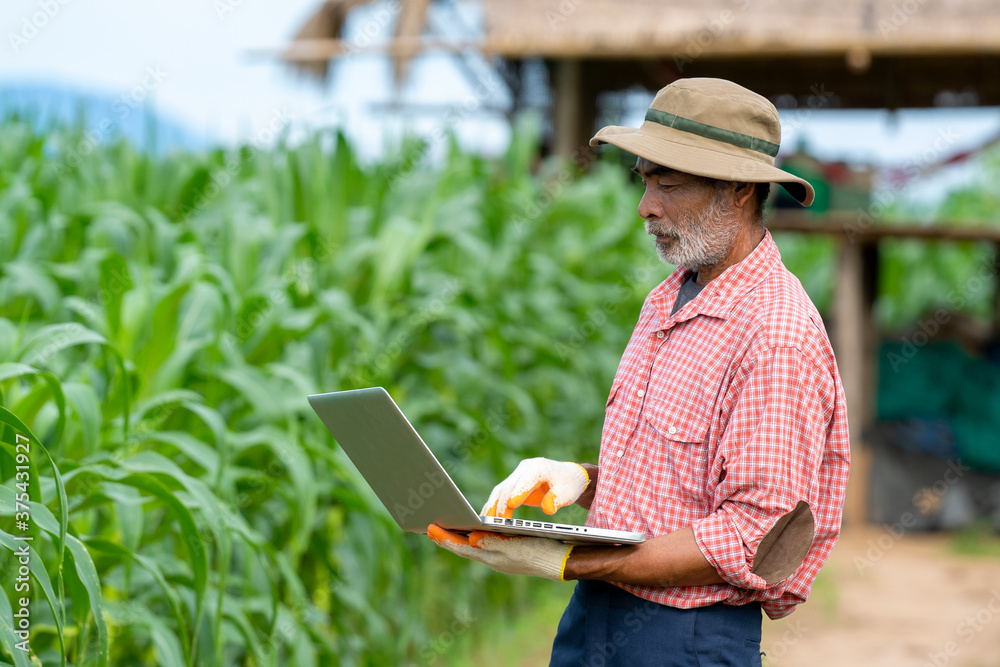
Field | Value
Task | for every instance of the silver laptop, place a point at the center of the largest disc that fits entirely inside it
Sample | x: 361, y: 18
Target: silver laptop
x: 409, y: 480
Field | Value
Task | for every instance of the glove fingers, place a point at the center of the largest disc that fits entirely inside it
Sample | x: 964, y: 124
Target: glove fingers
x: 532, y: 497
x: 482, y: 539
x: 445, y: 538
x: 565, y: 490
x: 538, y: 483
x: 496, y: 505
x: 550, y: 503
x: 521, y: 487
x: 490, y: 508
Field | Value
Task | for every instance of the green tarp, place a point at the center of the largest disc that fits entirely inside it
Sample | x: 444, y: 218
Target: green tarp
x: 941, y: 381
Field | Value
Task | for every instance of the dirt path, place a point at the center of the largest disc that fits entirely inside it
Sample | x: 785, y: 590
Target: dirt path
x: 882, y: 600
x: 888, y: 600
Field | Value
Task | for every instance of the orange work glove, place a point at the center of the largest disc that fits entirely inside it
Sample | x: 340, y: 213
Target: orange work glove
x: 535, y: 556
x: 538, y: 482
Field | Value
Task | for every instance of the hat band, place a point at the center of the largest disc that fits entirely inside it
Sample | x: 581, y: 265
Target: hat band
x: 712, y: 132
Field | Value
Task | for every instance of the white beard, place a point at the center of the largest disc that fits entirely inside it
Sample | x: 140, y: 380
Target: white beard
x: 700, y: 240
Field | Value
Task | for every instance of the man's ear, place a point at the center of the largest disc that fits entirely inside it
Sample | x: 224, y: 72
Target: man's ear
x: 742, y: 193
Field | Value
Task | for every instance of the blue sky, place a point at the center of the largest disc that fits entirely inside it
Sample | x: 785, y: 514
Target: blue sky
x: 205, y: 78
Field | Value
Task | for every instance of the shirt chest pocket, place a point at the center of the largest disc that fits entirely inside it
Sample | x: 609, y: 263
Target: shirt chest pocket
x: 679, y: 449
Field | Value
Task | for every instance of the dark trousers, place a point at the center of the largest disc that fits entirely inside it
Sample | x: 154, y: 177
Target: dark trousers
x: 604, y: 625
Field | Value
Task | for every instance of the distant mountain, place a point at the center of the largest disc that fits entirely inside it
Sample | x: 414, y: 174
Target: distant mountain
x: 131, y: 114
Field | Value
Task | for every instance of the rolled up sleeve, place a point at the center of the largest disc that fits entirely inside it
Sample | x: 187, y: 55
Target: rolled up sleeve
x: 768, y: 459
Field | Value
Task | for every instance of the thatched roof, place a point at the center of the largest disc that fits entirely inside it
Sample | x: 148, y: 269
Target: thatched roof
x: 679, y: 32
x: 720, y: 28
x: 323, y: 31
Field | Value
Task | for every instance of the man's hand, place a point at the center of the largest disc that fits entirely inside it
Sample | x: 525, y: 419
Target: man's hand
x: 536, y: 556
x: 538, y: 482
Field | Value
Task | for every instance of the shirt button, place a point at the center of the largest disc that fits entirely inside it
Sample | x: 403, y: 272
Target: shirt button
x: 640, y: 393
x: 672, y: 430
x: 620, y: 453
x: 659, y: 334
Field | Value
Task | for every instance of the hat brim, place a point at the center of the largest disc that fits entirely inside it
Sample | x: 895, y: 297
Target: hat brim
x: 702, y: 161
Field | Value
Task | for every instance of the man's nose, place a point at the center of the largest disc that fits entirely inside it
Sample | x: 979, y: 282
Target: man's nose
x: 649, y: 207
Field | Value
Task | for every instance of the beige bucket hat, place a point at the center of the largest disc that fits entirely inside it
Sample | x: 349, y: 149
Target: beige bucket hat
x: 713, y: 128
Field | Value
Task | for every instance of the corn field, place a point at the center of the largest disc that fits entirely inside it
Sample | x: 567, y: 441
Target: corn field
x: 162, y: 320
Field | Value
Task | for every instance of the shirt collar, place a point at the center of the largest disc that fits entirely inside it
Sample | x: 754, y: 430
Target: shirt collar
x: 723, y: 292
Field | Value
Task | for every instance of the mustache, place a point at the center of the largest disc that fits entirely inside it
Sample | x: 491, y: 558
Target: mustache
x: 656, y: 230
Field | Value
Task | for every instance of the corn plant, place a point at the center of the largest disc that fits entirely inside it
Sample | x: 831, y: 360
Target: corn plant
x: 162, y: 319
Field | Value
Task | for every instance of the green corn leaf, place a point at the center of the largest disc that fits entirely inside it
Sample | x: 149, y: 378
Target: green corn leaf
x: 167, y: 649
x: 115, y: 282
x: 84, y: 403
x: 7, y: 637
x: 195, y: 450
x: 217, y: 425
x: 123, y: 554
x: 254, y: 387
x: 37, y: 569
x: 10, y: 370
x: 160, y: 400
x: 175, y: 367
x: 26, y: 278
x: 7, y: 418
x: 42, y: 345
x: 190, y: 536
x: 86, y: 575
x: 231, y: 610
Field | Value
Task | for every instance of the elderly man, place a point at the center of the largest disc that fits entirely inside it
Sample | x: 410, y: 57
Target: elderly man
x: 725, y: 433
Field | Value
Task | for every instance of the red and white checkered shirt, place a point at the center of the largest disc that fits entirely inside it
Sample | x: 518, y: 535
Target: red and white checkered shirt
x: 723, y: 416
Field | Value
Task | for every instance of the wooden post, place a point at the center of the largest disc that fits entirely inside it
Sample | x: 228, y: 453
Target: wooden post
x: 568, y: 98
x: 850, y: 343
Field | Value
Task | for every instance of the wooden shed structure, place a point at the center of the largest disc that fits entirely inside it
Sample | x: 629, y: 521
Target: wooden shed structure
x: 800, y: 54
x: 849, y: 54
